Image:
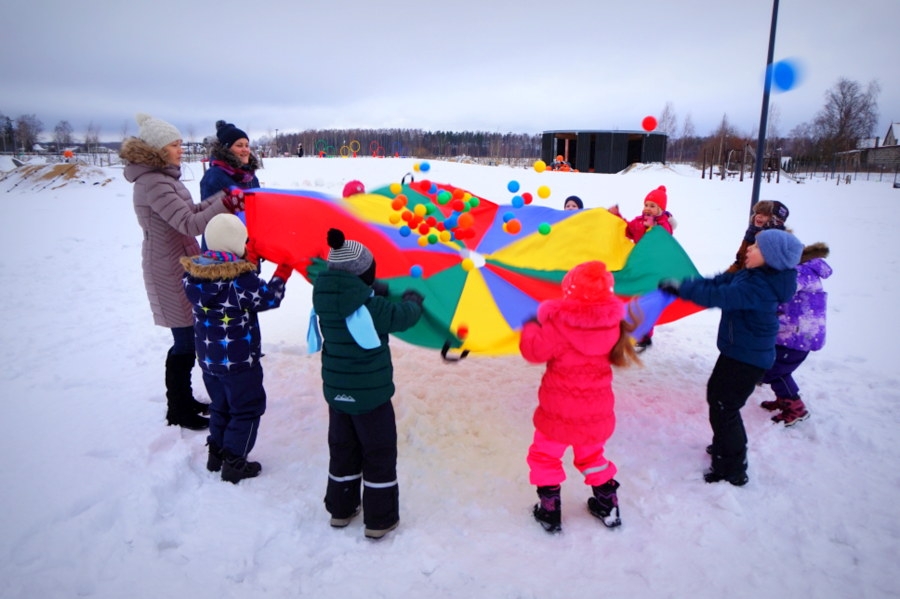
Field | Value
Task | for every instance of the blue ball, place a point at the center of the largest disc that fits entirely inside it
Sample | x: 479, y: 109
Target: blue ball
x: 518, y: 201
x: 424, y: 167
x: 785, y: 75
x: 405, y: 231
x: 513, y: 186
x: 508, y: 216
x: 415, y: 271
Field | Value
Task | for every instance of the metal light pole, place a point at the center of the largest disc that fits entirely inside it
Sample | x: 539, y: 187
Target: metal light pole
x: 276, y: 142
x: 764, y: 115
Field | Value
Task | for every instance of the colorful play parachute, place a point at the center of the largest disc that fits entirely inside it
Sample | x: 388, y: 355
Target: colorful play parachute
x: 483, y: 268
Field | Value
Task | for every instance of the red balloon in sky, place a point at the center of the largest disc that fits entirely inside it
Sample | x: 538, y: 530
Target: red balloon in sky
x: 649, y: 123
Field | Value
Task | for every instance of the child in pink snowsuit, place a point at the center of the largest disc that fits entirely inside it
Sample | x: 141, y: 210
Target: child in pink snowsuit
x: 580, y: 337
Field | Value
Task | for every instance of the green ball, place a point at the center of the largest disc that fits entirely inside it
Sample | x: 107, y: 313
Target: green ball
x: 544, y: 229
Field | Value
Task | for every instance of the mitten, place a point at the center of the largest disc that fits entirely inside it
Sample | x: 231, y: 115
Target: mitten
x: 284, y: 272
x: 411, y: 295
x: 380, y: 288
x: 234, y: 199
x: 750, y: 234
x: 669, y: 286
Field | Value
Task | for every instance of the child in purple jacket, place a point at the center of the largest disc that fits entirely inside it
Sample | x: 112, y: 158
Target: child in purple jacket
x: 801, y: 330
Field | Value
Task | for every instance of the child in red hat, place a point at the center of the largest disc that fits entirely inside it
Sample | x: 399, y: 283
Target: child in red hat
x: 653, y: 214
x: 580, y: 337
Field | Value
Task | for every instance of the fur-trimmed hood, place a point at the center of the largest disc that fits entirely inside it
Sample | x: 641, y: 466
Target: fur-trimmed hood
x: 208, y: 269
x: 816, y: 250
x: 220, y: 152
x: 136, y: 151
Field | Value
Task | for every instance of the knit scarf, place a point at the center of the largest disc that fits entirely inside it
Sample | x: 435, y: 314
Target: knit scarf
x: 220, y: 256
x: 239, y: 175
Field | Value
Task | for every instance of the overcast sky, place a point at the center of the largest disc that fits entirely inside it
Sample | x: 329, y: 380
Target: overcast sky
x: 488, y: 65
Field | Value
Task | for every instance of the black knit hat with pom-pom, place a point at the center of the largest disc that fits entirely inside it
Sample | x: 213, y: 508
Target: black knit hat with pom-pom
x: 346, y: 254
x: 227, y: 134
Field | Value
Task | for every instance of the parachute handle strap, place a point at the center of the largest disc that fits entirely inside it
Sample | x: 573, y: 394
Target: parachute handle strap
x: 447, y: 358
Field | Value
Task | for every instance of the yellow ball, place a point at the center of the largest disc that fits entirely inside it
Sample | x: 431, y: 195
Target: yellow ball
x: 543, y: 191
x: 396, y: 188
x: 420, y: 209
x: 467, y: 264
x: 416, y: 167
x: 423, y: 241
x: 540, y: 166
x: 394, y: 218
x: 445, y: 236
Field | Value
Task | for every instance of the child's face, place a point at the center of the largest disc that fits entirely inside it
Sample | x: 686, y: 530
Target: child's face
x: 651, y: 209
x: 754, y: 257
x: 571, y: 205
x: 760, y: 220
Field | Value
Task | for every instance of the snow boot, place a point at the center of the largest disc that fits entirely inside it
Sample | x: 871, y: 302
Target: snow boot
x: 344, y: 522
x: 738, y: 480
x: 378, y: 533
x: 777, y: 404
x: 183, y: 410
x: 794, y: 411
x: 237, y: 468
x: 605, y: 503
x: 548, y: 511
x: 214, y: 460
x: 642, y: 345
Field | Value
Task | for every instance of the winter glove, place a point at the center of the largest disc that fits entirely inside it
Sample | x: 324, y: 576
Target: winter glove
x: 750, y: 234
x: 614, y: 209
x: 379, y: 288
x: 284, y: 272
x: 250, y: 254
x: 649, y: 220
x: 234, y: 199
x: 669, y: 286
x: 411, y: 295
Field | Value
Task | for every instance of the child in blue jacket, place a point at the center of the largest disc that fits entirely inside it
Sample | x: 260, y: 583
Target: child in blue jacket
x: 749, y: 301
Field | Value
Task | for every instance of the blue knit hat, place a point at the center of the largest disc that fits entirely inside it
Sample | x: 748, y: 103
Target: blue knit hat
x: 228, y: 133
x: 780, y: 249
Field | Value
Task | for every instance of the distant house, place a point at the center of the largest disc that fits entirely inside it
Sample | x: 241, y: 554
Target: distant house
x: 887, y: 156
x: 603, y: 151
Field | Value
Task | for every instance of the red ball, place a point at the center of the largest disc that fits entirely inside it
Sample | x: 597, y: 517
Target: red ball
x: 649, y: 123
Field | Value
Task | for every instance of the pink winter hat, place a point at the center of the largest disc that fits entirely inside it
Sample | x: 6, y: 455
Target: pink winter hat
x: 658, y: 197
x: 588, y: 282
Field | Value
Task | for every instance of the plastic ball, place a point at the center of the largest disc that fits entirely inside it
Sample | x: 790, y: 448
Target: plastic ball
x: 424, y: 167
x: 443, y: 197
x: 508, y: 216
x: 405, y: 231
x: 474, y: 201
x: 544, y: 228
x: 465, y: 220
x: 406, y: 215
x: 415, y: 271
x: 467, y: 264
x: 462, y: 331
x: 432, y: 239
x: 445, y: 236
x: 527, y: 197
x: 394, y: 219
x: 417, y: 167
x: 419, y: 209
x: 649, y: 123
x: 518, y: 201
x: 424, y: 229
x: 513, y: 226
x: 395, y: 188
x: 540, y: 166
x: 458, y: 205
x: 422, y: 241
x: 543, y: 192
x: 513, y: 186
x: 785, y: 75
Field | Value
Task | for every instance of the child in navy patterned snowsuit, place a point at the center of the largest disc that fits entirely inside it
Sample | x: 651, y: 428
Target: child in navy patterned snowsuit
x: 226, y: 294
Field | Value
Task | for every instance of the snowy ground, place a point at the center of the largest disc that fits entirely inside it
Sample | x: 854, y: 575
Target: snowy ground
x: 101, y: 499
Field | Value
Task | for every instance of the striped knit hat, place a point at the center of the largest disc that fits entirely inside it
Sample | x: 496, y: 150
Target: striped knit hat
x: 346, y: 254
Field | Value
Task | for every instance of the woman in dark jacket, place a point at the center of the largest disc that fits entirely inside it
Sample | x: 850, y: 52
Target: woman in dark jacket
x: 231, y: 163
x: 170, y: 221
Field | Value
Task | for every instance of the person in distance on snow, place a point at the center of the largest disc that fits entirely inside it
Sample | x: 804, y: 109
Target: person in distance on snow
x: 357, y: 381
x: 749, y: 300
x: 170, y: 221
x: 580, y: 337
x: 226, y: 295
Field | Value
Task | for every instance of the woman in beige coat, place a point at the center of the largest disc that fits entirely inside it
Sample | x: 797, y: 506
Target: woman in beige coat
x: 170, y: 221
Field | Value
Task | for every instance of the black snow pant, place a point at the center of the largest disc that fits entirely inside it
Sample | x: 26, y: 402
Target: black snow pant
x: 730, y: 385
x: 363, y: 452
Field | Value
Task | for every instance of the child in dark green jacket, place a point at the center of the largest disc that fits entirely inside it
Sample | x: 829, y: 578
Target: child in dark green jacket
x: 357, y: 380
x: 749, y: 300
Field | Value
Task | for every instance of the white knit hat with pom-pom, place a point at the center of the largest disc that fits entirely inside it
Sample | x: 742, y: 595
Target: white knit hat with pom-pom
x: 155, y: 132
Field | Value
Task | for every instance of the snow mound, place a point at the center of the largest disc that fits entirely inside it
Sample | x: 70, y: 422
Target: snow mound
x: 40, y: 177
